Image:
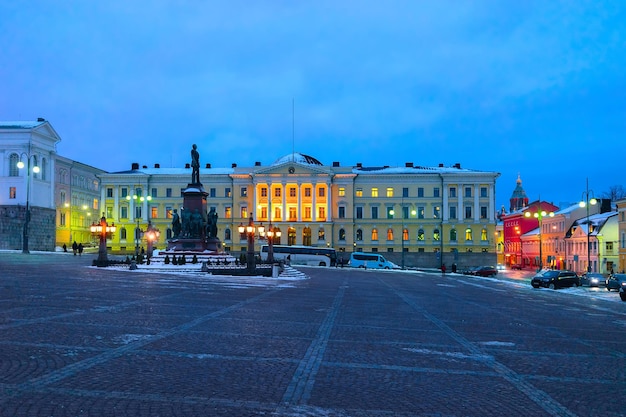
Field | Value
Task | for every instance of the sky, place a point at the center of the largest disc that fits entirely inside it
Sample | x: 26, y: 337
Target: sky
x: 529, y: 88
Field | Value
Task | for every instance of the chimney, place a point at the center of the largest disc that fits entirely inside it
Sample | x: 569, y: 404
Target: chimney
x: 457, y: 165
x: 257, y: 164
x: 41, y: 119
x: 145, y: 167
x: 208, y: 166
x: 336, y: 163
x: 187, y: 166
x: 440, y: 165
x: 359, y: 165
x: 234, y: 165
x: 157, y: 165
x: 134, y: 166
x: 409, y: 165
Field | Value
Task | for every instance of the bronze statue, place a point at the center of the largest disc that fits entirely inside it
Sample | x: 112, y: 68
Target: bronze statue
x: 176, y: 224
x: 212, y: 223
x: 195, y: 165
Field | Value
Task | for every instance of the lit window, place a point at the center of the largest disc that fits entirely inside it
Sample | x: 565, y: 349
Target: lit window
x: 227, y: 192
x: 154, y: 212
x: 359, y: 234
x: 420, y: 212
x: 12, y: 192
x: 277, y: 192
x: 420, y: 234
x: 389, y: 192
x: 321, y: 213
x: 227, y: 212
x: 278, y: 214
x: 468, y: 234
x: 405, y: 234
x: 244, y: 191
x: 321, y: 235
x: 436, y: 235
x: 374, y: 234
x: 307, y: 192
x: 263, y: 191
x: 244, y: 212
x: 264, y: 213
x: 292, y: 191
x: 390, y: 234
x: 307, y: 212
x: 14, y: 170
x: 359, y: 192
x: 436, y: 212
x: 483, y: 235
x: 374, y: 192
x: 342, y: 234
x: 342, y: 192
x: 292, y: 214
x: 168, y: 213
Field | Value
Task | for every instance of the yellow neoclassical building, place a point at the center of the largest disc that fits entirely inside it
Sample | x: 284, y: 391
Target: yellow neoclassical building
x: 411, y: 209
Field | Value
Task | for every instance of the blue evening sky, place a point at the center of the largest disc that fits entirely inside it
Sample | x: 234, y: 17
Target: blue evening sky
x: 530, y: 87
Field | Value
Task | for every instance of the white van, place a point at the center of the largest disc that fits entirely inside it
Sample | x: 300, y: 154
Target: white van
x: 370, y: 260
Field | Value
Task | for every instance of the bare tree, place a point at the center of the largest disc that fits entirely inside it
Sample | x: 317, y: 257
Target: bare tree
x: 615, y: 192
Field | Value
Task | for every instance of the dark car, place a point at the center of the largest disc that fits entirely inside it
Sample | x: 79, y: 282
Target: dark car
x: 555, y: 279
x: 470, y: 271
x: 616, y: 282
x: 592, y: 279
x: 622, y: 293
x: 516, y: 266
x: 486, y: 271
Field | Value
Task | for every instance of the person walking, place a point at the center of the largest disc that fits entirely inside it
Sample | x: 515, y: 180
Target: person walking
x: 74, y: 247
x: 443, y: 270
x: 80, y: 249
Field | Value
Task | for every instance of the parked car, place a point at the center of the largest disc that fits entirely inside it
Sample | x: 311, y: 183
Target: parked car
x: 516, y: 266
x: 555, y: 279
x: 616, y: 282
x: 471, y: 270
x: 622, y: 293
x: 592, y: 279
x: 486, y: 271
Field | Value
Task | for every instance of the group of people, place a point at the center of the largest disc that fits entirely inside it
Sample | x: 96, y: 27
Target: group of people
x: 77, y: 248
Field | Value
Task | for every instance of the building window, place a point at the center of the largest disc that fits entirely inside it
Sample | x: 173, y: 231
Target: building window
x: 153, y: 193
x: 420, y: 212
x: 109, y: 192
x: 123, y: 212
x: 342, y: 192
x: 227, y: 192
x: 228, y: 212
x: 321, y: 235
x: 292, y: 191
x: 436, y: 212
x: 264, y: 213
x: 483, y: 235
x: 483, y: 212
x: 420, y: 235
x: 405, y: 192
x: 62, y: 219
x: 244, y: 212
x: 468, y: 234
x: 483, y: 192
x: 321, y: 192
x: 374, y: 234
x: 277, y: 192
x: 453, y: 235
x: 436, y: 235
x: 359, y: 234
x: 63, y: 197
x: 168, y: 192
x: 420, y: 192
x: 390, y: 212
x: 389, y: 192
x: 359, y: 212
x: 321, y: 213
x: 244, y: 191
x: 453, y: 192
x: 212, y: 192
x: 307, y: 192
x: 124, y: 192
x: 405, y: 212
x: 452, y: 212
x: 123, y: 233
x: 468, y: 212
x: 154, y: 212
x: 307, y: 212
x: 405, y: 234
x: 436, y: 192
x: 468, y: 191
x: 278, y: 213
x: 227, y: 234
x: 374, y: 192
x: 374, y: 212
x: 137, y: 212
x: 94, y: 204
x: 342, y: 212
x: 342, y: 234
x: 390, y: 234
x: 359, y: 192
x: 263, y: 191
x: 12, y: 192
x: 14, y: 171
x: 609, y: 246
x: 168, y: 212
x: 292, y: 214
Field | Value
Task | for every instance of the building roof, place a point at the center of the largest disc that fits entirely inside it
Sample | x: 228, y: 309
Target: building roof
x: 297, y: 158
x: 21, y: 124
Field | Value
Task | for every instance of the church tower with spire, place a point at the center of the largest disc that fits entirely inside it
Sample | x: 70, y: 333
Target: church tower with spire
x: 518, y: 198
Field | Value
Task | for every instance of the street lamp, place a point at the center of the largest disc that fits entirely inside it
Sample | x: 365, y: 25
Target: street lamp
x: 539, y: 215
x: 34, y: 169
x: 413, y: 213
x: 152, y: 235
x: 271, y: 233
x: 250, y: 231
x: 102, y: 229
x: 588, y: 199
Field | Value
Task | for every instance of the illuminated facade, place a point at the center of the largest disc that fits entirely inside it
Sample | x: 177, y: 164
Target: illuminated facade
x: 385, y: 209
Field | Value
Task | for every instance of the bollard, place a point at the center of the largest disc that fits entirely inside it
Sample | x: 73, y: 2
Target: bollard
x: 133, y: 265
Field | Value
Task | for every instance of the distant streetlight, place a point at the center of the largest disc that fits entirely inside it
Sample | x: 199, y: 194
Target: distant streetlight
x: 152, y: 235
x: 29, y: 170
x: 539, y: 215
x: 102, y: 230
x: 587, y: 200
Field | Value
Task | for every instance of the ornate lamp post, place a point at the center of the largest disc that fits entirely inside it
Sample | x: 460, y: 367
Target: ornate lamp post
x: 34, y: 169
x: 586, y: 200
x: 152, y: 235
x: 539, y: 215
x: 250, y: 231
x: 271, y: 234
x: 102, y: 230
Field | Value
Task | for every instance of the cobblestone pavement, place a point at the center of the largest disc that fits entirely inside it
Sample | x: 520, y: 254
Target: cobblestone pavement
x: 81, y: 341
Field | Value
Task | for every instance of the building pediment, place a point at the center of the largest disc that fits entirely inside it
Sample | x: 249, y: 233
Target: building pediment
x: 292, y: 169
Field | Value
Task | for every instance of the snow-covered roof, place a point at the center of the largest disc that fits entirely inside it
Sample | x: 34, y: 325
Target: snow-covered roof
x: 412, y: 170
x: 20, y: 124
x: 176, y: 171
x: 297, y: 158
